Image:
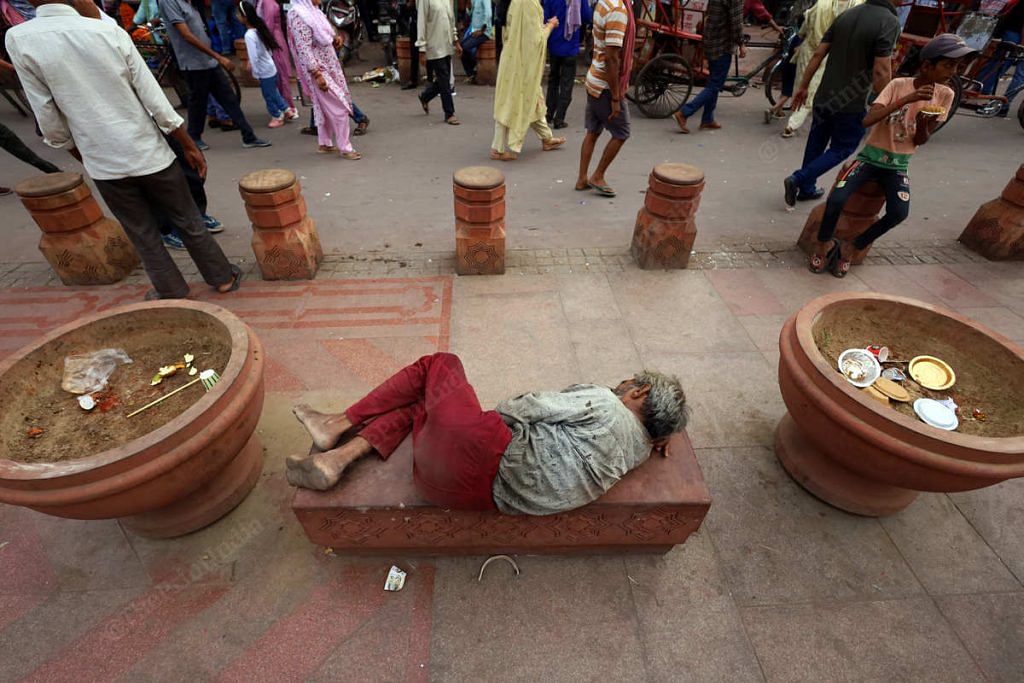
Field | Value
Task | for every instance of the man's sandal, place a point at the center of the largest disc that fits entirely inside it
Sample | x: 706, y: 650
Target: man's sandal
x: 819, y: 262
x: 352, y: 156
x: 603, y: 190
x: 452, y: 121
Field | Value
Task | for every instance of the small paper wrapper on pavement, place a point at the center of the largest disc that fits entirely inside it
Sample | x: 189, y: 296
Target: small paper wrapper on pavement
x: 395, y: 580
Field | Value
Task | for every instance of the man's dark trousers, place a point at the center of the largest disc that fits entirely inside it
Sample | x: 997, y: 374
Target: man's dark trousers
x: 440, y: 73
x: 139, y: 202
x: 202, y: 84
x: 833, y: 138
x: 560, y: 82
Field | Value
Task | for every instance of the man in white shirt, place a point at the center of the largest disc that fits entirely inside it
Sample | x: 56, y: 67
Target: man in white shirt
x: 93, y: 95
x: 436, y: 33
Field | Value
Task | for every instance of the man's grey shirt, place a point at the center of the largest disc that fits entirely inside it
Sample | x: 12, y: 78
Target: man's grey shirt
x: 856, y: 38
x: 182, y: 12
x: 567, y: 449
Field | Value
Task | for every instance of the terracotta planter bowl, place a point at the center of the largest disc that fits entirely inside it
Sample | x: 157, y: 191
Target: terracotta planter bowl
x: 864, y: 457
x: 176, y: 479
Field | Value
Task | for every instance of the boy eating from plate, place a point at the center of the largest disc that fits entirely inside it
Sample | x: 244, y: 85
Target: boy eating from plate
x: 902, y: 118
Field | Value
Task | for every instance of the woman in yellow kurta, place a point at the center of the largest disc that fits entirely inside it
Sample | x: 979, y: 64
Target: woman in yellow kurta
x: 518, y: 98
x: 817, y: 19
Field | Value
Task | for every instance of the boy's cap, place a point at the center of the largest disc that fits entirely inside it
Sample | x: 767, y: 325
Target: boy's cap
x: 947, y: 45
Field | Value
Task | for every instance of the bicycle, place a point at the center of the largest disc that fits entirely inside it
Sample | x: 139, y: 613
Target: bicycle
x: 160, y: 59
x: 771, y: 66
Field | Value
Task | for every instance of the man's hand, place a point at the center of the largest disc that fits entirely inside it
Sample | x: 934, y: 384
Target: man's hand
x: 616, y: 108
x: 799, y: 99
x: 458, y: 49
x: 743, y: 51
x: 338, y: 41
x: 553, y: 23
x: 922, y: 94
x: 195, y: 159
x: 225, y: 62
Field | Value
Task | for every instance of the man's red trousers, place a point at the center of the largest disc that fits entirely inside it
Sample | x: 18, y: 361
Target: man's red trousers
x: 457, y: 446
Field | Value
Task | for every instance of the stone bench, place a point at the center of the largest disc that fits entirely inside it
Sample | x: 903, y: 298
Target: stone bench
x: 375, y: 510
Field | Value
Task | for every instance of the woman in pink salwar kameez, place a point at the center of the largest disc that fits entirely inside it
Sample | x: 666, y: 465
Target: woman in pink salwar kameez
x: 270, y: 13
x: 313, y: 42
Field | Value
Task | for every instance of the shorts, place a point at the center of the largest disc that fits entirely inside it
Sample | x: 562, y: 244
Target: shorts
x: 597, y: 113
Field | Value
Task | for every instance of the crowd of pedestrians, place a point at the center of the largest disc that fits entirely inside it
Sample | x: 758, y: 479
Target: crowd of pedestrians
x: 151, y: 172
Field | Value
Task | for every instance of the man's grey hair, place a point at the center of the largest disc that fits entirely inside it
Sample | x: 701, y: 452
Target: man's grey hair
x: 665, y: 409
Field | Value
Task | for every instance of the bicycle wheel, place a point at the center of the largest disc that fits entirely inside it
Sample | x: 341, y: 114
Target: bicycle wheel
x: 663, y: 86
x: 958, y: 93
x: 773, y: 82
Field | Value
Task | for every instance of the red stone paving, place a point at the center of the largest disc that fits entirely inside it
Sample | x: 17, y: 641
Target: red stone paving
x: 354, y: 333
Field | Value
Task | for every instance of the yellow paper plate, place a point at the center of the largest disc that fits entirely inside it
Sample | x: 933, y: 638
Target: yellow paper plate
x: 932, y: 373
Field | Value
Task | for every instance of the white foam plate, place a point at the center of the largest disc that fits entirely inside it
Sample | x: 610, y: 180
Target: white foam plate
x: 935, y: 414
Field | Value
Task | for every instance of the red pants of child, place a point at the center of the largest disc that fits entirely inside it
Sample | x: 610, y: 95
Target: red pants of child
x: 456, y: 445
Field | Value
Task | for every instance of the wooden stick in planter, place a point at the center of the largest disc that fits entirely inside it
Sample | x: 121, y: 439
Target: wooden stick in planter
x: 207, y: 377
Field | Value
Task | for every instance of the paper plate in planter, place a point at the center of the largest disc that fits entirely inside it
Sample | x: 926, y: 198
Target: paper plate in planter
x: 931, y: 373
x: 935, y: 414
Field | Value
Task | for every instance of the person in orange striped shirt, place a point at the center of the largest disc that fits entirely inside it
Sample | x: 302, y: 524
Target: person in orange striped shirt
x: 607, y: 81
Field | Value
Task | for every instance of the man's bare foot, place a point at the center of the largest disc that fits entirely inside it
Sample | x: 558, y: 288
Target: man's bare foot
x: 552, y: 143
x: 582, y: 185
x: 325, y: 429
x: 310, y: 473
x: 323, y: 470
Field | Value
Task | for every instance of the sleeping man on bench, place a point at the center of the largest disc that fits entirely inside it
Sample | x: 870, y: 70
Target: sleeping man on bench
x: 537, y: 454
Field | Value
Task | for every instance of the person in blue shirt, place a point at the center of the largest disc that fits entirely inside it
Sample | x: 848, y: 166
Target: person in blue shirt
x: 479, y: 32
x: 564, y: 47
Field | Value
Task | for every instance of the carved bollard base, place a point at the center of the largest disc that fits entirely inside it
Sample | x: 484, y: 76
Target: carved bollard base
x: 284, y: 240
x: 665, y: 228
x: 997, y: 229
x: 81, y: 245
x: 479, y: 221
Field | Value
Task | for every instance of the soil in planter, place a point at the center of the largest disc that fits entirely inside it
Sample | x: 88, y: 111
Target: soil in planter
x: 978, y: 384
x: 70, y: 432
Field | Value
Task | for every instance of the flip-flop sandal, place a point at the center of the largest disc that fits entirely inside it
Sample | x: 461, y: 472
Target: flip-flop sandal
x: 582, y: 189
x: 452, y: 121
x: 495, y: 155
x: 352, y: 156
x: 327, y: 150
x: 236, y: 281
x: 818, y: 262
x: 603, y: 190
x: 840, y: 266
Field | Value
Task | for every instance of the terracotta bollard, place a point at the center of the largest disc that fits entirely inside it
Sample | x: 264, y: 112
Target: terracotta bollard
x: 245, y: 76
x: 284, y: 238
x: 997, y: 229
x: 486, y: 64
x: 83, y: 246
x: 479, y: 221
x: 860, y: 211
x: 665, y: 227
x: 403, y: 53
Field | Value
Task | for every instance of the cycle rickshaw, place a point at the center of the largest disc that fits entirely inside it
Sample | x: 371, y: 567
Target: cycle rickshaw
x: 669, y: 57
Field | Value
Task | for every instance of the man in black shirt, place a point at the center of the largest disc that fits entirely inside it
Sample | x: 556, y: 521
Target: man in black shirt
x: 859, y: 46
